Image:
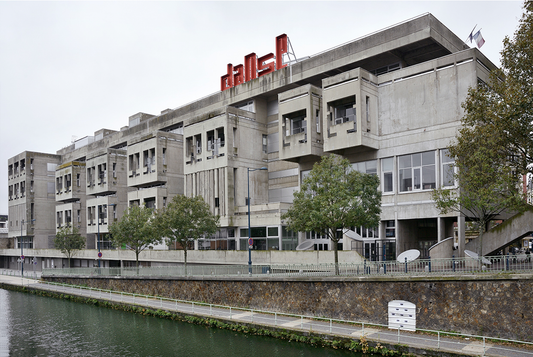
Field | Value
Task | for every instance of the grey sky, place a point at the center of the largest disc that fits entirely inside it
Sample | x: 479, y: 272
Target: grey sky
x: 71, y: 68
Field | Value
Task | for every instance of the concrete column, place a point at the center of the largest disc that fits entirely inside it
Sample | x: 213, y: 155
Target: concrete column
x: 440, y: 229
x: 461, y: 229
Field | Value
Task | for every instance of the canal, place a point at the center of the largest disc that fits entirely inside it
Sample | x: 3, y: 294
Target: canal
x: 32, y: 325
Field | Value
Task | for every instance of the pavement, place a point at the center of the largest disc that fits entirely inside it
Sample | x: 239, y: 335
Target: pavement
x: 460, y: 346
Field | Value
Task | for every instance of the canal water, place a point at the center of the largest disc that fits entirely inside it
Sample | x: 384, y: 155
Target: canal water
x: 32, y: 325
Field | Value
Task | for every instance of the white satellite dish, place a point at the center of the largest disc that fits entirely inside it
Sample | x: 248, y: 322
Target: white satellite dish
x: 473, y: 255
x: 306, y: 245
x: 410, y: 254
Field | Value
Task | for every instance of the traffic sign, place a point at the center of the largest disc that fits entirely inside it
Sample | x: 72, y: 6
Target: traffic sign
x: 250, y: 241
x: 99, y: 254
x: 21, y: 257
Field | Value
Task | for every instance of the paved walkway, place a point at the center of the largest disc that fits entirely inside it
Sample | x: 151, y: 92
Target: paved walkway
x: 431, y: 342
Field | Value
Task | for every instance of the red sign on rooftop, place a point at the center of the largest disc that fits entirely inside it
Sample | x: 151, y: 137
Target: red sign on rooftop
x: 255, y: 67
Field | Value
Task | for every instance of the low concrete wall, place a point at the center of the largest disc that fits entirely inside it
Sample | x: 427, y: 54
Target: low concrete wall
x: 174, y: 257
x: 493, y: 306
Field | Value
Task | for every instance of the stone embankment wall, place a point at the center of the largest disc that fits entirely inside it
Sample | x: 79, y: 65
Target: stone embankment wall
x: 495, y: 306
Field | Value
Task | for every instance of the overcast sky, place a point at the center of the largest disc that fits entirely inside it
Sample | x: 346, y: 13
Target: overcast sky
x: 68, y: 69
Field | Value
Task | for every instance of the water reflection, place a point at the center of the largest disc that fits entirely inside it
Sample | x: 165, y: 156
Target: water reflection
x: 38, y: 326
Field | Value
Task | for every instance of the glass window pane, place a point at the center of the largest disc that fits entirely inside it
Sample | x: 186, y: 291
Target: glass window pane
x: 428, y: 177
x: 404, y: 161
x: 428, y: 158
x: 386, y: 164
x: 417, y: 160
x: 272, y: 231
x: 447, y: 175
x: 387, y: 182
x: 416, y: 178
x: 372, y: 166
x: 445, y: 157
x: 405, y: 180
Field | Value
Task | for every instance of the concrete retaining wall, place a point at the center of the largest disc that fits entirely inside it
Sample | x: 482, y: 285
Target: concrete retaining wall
x: 493, y: 306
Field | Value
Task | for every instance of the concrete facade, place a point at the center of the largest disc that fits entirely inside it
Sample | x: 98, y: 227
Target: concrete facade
x: 389, y: 102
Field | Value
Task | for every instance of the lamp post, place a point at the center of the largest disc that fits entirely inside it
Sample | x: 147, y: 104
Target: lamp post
x: 249, y: 228
x: 98, y: 235
x: 21, y: 250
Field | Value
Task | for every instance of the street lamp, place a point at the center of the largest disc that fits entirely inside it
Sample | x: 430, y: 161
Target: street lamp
x: 21, y: 249
x: 249, y: 229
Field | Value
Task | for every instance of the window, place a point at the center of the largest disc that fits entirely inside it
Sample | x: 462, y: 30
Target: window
x: 211, y: 140
x: 198, y: 140
x: 368, y: 109
x: 390, y: 229
x: 265, y: 143
x: 78, y: 180
x: 448, y: 169
x: 217, y: 202
x: 220, y: 137
x: 387, y: 176
x: 342, y: 111
x: 295, y: 123
x: 366, y: 167
x: 248, y: 106
x: 164, y: 156
x: 317, y: 117
x: 417, y: 171
x: 114, y: 170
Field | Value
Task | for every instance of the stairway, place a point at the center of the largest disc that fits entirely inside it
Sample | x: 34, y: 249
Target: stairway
x: 513, y: 229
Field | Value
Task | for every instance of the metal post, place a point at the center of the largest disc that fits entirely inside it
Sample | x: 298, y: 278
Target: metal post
x: 249, y: 227
x: 249, y: 231
x: 405, y: 265
x: 398, y: 335
x: 453, y: 263
x: 21, y: 252
x: 438, y: 339
x: 429, y: 264
x: 98, y: 236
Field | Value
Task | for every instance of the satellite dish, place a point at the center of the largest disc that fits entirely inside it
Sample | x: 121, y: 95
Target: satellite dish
x: 473, y: 255
x: 306, y: 245
x: 410, y: 254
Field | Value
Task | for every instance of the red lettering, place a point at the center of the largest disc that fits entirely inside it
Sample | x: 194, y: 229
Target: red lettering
x: 238, y: 78
x: 281, y: 48
x: 255, y: 67
x: 250, y: 65
x: 226, y: 81
x: 265, y: 67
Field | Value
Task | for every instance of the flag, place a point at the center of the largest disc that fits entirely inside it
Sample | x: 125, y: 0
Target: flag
x: 479, y: 39
x: 471, y: 35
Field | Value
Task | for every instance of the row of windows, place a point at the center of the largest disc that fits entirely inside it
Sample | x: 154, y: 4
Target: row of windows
x: 415, y: 172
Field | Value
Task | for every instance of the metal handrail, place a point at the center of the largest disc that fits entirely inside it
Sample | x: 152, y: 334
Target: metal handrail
x: 451, y: 266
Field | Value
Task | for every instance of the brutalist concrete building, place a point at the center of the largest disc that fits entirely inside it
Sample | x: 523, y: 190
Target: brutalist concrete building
x: 390, y: 102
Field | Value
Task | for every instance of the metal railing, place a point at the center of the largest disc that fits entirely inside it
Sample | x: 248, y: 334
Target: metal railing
x: 452, y: 266
x: 378, y: 332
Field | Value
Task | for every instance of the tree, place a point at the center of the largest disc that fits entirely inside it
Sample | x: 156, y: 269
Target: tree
x: 488, y: 184
x: 69, y: 241
x: 136, y: 230
x: 506, y: 102
x: 184, y: 220
x: 494, y: 146
x: 334, y: 196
